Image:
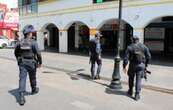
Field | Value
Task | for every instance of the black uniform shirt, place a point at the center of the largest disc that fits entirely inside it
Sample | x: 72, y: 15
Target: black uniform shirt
x: 35, y: 50
x: 129, y: 53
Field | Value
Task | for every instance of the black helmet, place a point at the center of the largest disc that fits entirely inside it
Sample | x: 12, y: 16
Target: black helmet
x: 28, y: 29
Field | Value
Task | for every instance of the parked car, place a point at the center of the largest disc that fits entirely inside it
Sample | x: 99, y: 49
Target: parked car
x: 3, y: 42
x: 12, y: 43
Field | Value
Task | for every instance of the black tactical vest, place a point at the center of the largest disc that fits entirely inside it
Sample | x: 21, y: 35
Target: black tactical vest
x: 26, y: 48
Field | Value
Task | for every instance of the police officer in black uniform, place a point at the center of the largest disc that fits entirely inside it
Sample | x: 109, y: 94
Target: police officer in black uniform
x: 138, y: 55
x: 95, y: 56
x: 29, y: 58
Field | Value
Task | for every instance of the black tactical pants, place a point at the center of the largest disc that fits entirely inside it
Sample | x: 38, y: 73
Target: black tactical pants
x: 136, y: 70
x: 95, y: 60
x: 24, y: 70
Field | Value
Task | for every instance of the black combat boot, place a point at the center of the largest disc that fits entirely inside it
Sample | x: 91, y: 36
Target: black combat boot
x: 97, y: 76
x: 21, y: 98
x: 137, y: 96
x: 92, y: 76
x: 35, y: 90
x: 130, y: 92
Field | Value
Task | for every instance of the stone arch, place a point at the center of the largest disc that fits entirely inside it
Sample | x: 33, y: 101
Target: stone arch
x: 155, y: 18
x: 158, y: 35
x: 66, y: 26
x: 50, y: 32
x: 78, y: 36
x: 44, y: 26
x: 109, y: 30
x: 107, y: 20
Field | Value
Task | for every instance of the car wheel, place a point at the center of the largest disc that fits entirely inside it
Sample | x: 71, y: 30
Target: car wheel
x: 4, y: 45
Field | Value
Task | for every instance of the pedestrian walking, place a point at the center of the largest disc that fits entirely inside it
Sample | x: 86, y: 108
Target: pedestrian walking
x: 138, y: 56
x: 95, y: 56
x: 29, y: 58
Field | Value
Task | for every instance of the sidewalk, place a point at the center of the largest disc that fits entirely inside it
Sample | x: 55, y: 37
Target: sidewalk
x: 161, y: 77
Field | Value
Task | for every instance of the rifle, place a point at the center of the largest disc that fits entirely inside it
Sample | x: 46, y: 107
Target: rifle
x: 145, y: 76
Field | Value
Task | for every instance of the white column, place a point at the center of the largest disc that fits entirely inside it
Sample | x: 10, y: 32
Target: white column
x: 63, y: 41
x: 76, y: 36
x: 40, y: 40
x: 140, y: 33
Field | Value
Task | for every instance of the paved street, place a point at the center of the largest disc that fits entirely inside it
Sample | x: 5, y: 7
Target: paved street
x: 161, y: 70
x: 69, y: 91
x: 61, y: 89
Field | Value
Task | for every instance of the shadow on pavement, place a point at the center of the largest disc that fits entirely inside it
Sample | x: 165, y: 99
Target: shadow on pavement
x: 15, y: 93
x: 74, y: 74
x: 117, y: 92
x: 87, y: 77
x: 107, y: 90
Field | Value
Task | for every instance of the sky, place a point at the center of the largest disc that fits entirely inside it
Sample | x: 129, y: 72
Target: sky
x: 10, y: 3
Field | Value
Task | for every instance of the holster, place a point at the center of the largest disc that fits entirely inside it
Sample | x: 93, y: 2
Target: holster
x: 28, y: 62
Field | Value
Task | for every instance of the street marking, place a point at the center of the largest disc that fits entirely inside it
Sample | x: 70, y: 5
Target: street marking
x: 82, y: 105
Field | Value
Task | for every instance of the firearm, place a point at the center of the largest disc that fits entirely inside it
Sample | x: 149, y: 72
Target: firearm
x: 145, y: 74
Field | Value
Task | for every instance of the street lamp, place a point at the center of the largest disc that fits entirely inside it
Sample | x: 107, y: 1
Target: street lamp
x: 116, y: 83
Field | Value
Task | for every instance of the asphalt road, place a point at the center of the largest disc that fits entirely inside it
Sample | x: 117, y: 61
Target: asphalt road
x: 73, y: 91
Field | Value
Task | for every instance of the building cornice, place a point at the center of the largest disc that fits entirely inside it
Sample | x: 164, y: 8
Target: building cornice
x: 100, y: 6
x: 46, y: 2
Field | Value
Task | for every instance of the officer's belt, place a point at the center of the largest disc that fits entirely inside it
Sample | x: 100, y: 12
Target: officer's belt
x: 29, y: 58
x: 137, y: 62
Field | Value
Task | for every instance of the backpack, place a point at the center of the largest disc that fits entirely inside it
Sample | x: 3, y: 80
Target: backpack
x: 138, y: 53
